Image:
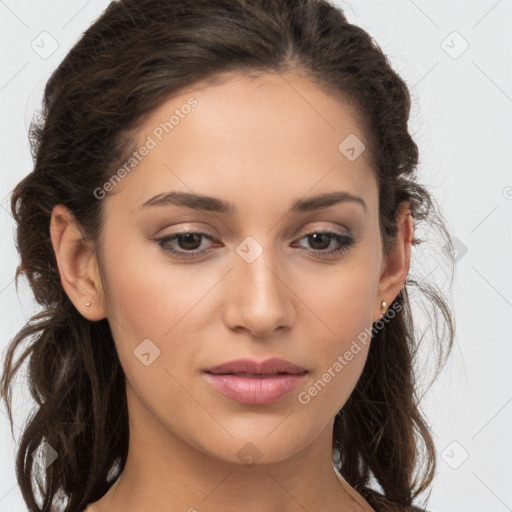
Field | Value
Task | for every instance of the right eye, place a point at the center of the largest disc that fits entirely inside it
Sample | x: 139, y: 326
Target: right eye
x: 188, y: 241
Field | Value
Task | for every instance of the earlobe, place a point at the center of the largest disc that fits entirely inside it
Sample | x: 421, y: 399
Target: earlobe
x: 396, y: 267
x: 77, y: 264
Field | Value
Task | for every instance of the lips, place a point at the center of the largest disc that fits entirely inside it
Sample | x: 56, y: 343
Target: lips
x: 255, y: 383
x: 251, y: 368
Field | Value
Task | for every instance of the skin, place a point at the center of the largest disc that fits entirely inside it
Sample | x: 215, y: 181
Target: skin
x: 260, y: 144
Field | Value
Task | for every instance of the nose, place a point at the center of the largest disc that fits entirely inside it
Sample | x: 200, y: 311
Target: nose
x: 260, y: 299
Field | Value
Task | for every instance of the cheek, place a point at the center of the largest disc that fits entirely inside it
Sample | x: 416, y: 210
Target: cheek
x: 343, y: 299
x: 144, y: 301
x: 162, y: 302
x: 341, y: 330
x: 153, y: 310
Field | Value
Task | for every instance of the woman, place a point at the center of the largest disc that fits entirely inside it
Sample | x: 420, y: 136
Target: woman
x: 219, y: 227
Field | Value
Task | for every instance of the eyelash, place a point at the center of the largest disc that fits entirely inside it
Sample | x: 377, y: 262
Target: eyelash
x: 346, y: 242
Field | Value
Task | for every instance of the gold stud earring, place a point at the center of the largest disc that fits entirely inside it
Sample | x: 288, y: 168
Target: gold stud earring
x: 383, y: 307
x: 87, y: 304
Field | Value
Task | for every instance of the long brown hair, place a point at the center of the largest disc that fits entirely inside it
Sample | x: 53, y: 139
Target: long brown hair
x: 134, y: 57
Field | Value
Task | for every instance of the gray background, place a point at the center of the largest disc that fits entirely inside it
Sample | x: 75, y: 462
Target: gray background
x: 461, y: 119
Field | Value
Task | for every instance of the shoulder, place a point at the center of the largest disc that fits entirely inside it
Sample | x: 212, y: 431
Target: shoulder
x: 379, y: 503
x: 359, y: 498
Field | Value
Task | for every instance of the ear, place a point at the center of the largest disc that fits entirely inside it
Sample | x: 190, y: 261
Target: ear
x: 77, y: 264
x: 395, y: 269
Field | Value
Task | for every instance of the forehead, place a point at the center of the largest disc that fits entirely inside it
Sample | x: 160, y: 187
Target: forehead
x: 272, y: 136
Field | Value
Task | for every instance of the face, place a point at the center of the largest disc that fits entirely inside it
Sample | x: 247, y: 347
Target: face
x: 273, y: 275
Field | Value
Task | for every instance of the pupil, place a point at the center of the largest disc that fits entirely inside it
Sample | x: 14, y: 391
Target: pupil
x: 189, y: 237
x: 316, y: 236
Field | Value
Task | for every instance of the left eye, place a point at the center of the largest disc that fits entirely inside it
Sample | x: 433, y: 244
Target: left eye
x: 190, y: 242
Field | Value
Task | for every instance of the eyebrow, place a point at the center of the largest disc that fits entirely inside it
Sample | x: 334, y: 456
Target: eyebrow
x: 212, y: 204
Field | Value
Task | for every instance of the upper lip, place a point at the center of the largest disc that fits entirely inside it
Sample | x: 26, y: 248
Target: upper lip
x: 250, y: 366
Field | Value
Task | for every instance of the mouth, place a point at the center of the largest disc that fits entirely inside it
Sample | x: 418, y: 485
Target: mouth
x: 254, y: 369
x: 255, y: 389
x: 255, y: 375
x: 252, y: 383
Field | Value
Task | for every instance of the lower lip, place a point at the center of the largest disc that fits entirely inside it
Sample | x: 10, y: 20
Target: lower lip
x: 255, y: 390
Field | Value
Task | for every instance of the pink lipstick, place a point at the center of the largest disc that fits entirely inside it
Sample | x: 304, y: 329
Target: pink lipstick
x: 252, y: 382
